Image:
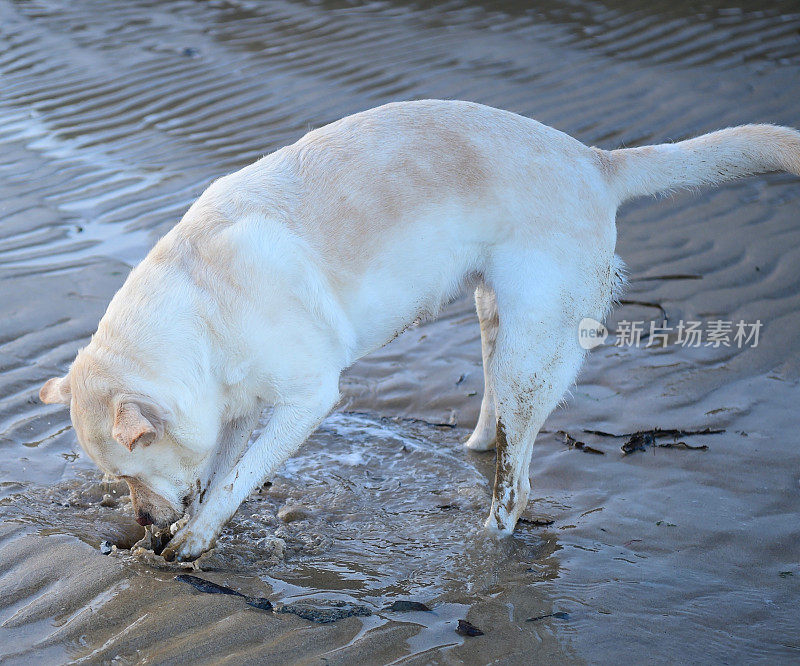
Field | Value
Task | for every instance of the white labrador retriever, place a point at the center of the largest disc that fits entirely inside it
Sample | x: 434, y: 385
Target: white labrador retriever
x: 283, y: 274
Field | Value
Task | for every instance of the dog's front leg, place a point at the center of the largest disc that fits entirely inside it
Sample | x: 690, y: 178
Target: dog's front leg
x: 286, y: 430
x: 231, y: 443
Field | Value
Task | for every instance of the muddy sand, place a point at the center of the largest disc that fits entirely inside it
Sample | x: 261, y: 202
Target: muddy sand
x: 112, y: 120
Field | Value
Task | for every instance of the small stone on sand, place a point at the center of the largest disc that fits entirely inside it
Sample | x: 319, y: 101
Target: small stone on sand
x: 108, y: 500
x: 291, y: 512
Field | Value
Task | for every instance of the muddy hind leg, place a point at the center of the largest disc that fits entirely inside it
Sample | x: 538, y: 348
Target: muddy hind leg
x: 483, y: 437
x: 533, y: 368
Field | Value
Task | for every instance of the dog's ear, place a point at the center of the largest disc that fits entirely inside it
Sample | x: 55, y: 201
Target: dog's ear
x: 136, y: 424
x: 56, y: 390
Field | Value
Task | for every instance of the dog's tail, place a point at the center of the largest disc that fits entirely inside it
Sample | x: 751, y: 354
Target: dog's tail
x: 712, y: 158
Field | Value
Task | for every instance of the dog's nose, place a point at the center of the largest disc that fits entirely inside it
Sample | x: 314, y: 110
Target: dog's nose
x: 144, y: 519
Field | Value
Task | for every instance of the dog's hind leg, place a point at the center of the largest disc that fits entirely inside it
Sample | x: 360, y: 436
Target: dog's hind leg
x: 483, y: 437
x: 536, y: 359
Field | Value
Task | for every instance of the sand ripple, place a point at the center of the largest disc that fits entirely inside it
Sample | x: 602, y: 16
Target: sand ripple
x: 113, y: 120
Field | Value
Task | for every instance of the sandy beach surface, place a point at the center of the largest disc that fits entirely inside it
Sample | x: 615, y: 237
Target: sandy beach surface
x: 114, y: 117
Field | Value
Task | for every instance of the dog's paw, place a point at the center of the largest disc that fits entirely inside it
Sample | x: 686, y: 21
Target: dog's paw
x: 496, y: 528
x: 189, y: 544
x: 481, y: 441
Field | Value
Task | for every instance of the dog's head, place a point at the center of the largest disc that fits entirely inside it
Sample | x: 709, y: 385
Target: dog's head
x: 129, y: 436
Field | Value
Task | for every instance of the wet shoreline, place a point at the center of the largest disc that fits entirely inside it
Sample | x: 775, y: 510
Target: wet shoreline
x: 112, y: 122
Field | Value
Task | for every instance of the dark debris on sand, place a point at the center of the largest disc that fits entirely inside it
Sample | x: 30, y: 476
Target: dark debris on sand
x: 639, y: 441
x: 573, y: 443
x: 206, y: 586
x: 325, y: 614
x: 404, y: 606
x: 467, y: 629
x: 560, y: 615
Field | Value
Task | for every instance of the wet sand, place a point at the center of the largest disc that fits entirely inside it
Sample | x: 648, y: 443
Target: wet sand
x: 112, y: 122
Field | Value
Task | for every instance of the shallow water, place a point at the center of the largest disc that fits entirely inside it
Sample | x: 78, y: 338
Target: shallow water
x: 391, y: 510
x: 113, y: 121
